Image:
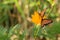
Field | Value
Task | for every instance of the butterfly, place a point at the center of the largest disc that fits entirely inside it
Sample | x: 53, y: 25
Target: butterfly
x: 44, y: 21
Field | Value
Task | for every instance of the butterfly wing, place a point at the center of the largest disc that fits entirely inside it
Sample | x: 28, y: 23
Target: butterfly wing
x: 43, y: 12
x: 46, y: 22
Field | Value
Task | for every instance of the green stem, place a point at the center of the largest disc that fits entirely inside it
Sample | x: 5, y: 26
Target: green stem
x: 36, y: 32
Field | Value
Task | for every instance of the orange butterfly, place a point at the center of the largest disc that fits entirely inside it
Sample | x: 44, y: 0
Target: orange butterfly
x: 44, y: 21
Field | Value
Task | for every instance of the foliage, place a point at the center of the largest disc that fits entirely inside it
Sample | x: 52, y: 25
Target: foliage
x: 15, y: 22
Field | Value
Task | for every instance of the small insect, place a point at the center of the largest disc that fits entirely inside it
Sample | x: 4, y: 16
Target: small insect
x: 45, y: 21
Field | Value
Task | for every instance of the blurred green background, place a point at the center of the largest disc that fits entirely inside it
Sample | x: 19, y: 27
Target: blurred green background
x: 15, y: 23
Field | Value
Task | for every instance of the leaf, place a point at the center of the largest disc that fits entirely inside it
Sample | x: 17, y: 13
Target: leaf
x: 3, y: 33
x: 52, y: 2
x: 13, y: 29
x: 53, y: 30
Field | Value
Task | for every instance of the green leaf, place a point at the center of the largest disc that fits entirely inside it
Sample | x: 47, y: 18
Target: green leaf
x: 52, y: 2
x: 3, y: 33
x: 14, y: 29
x: 54, y: 29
